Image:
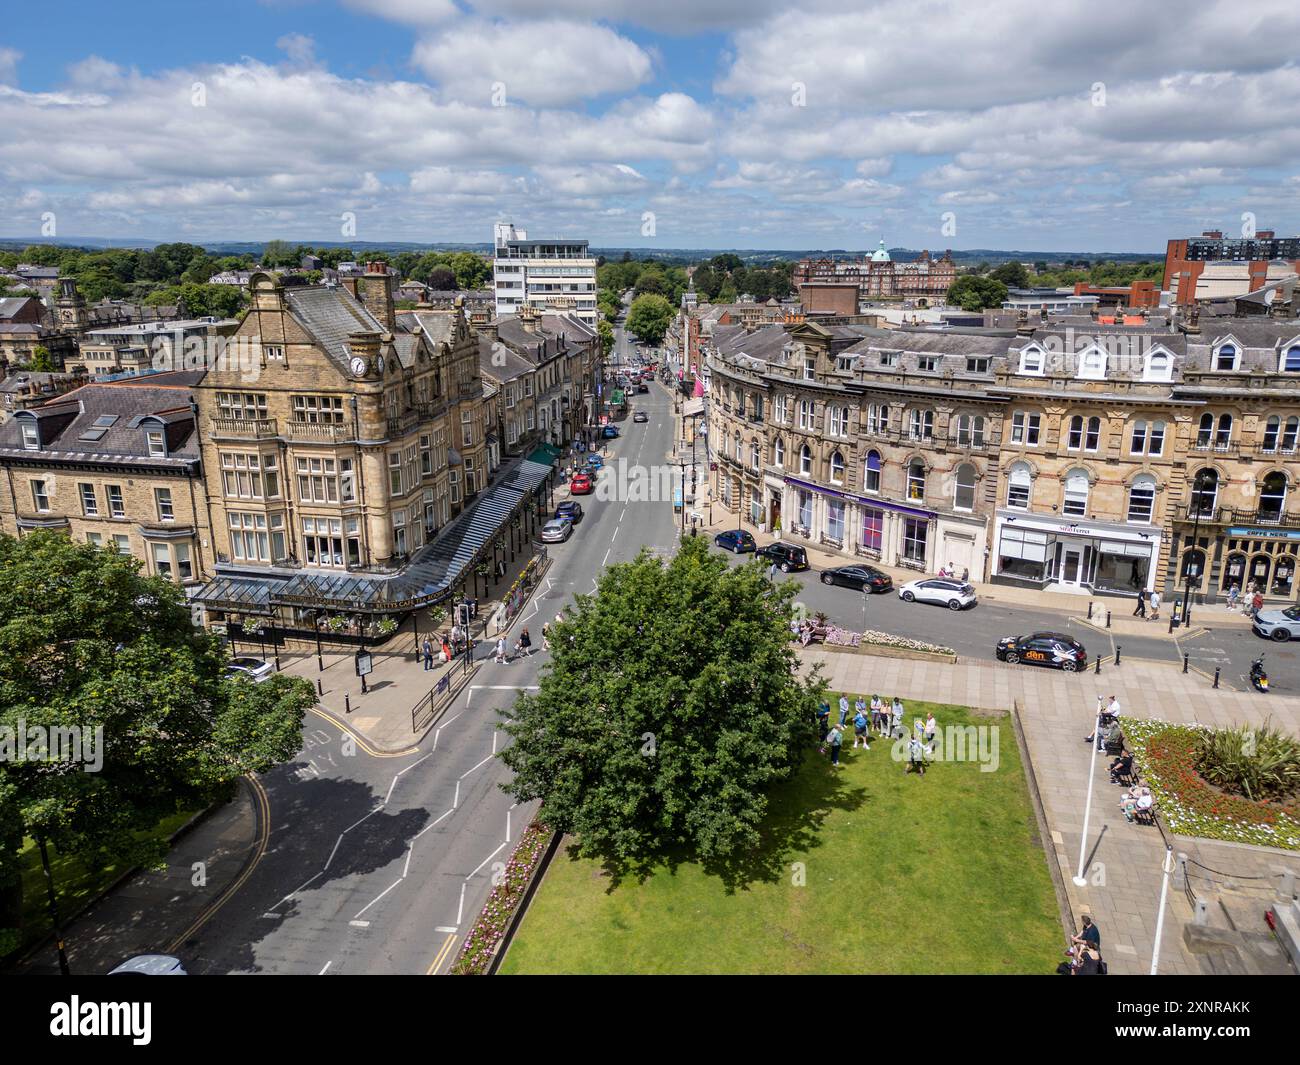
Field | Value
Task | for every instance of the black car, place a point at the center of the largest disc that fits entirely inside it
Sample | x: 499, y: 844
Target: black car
x: 864, y: 578
x: 786, y: 556
x: 571, y: 510
x: 1044, y: 649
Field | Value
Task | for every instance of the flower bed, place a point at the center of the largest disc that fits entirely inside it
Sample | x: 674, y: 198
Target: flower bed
x: 490, y: 926
x: 888, y: 639
x: 1166, y: 755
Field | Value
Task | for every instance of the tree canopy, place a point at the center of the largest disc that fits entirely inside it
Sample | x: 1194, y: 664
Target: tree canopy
x: 669, y: 707
x: 649, y: 318
x: 972, y: 293
x: 87, y: 642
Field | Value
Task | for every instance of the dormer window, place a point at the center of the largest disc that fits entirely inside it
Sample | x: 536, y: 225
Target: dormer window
x: 1225, y: 357
x: 1291, y: 360
x: 157, y: 443
x: 1159, y: 366
x: 31, y: 435
x: 1092, y: 364
x: 1031, y: 361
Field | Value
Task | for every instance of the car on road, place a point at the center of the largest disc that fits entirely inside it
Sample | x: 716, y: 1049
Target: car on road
x: 641, y: 386
x: 557, y: 530
x: 150, y: 965
x: 610, y: 432
x: 595, y: 462
x: 571, y: 510
x: 580, y: 485
x: 1044, y: 649
x: 787, y: 557
x: 736, y: 540
x: 955, y: 595
x: 253, y: 669
x: 1279, y: 625
x: 640, y: 416
x: 864, y: 578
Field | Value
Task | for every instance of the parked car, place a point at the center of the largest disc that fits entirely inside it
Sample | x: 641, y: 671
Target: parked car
x: 955, y: 595
x: 253, y: 668
x: 786, y: 556
x: 610, y: 432
x: 1279, y: 625
x: 640, y: 416
x: 1044, y: 649
x: 557, y: 530
x: 150, y: 965
x: 595, y: 462
x: 736, y: 540
x: 580, y: 485
x: 864, y: 578
x: 570, y: 510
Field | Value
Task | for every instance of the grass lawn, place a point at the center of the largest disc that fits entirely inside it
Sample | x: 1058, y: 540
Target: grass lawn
x: 76, y: 880
x: 903, y: 874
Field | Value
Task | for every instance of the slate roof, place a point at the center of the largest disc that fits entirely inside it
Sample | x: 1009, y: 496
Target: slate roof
x: 331, y: 316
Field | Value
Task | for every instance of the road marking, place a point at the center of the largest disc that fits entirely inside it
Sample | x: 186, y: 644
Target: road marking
x: 508, y: 824
x: 460, y: 910
x: 442, y: 954
x: 455, y: 799
x: 359, y: 924
x: 432, y: 824
x: 327, y: 968
x: 504, y: 688
x: 481, y: 764
x: 615, y: 536
x: 445, y: 928
x: 604, y: 561
x: 378, y: 897
x: 486, y: 860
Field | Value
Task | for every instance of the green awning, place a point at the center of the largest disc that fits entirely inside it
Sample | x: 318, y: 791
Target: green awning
x: 546, y: 454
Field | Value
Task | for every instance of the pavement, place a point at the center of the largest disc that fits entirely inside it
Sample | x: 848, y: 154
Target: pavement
x: 1123, y: 863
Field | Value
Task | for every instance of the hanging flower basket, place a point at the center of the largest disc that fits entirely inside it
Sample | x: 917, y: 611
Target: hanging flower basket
x: 437, y: 615
x: 337, y: 623
x: 254, y: 627
x: 386, y: 626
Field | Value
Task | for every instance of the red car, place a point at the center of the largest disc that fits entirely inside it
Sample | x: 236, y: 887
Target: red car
x: 580, y: 485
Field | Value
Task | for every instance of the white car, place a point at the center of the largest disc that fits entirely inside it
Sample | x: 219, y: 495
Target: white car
x: 556, y: 531
x: 955, y: 595
x: 253, y: 668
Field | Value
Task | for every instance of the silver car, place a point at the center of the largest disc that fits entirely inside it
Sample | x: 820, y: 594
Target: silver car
x: 955, y: 595
x: 1279, y: 625
x: 556, y: 531
x: 253, y: 668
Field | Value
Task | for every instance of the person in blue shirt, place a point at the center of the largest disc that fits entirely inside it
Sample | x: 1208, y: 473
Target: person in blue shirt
x: 833, y: 741
x: 1089, y: 934
x: 860, y: 723
x: 844, y: 709
x: 823, y: 720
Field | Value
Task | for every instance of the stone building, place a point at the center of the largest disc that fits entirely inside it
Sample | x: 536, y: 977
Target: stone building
x: 117, y: 465
x: 879, y: 276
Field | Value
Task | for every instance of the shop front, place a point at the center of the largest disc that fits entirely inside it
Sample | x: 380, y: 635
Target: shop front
x: 1083, y: 557
x: 860, y: 526
x: 1265, y: 557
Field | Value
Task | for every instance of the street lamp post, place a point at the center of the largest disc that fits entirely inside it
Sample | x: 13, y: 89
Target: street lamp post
x: 1168, y: 866
x: 1079, y: 880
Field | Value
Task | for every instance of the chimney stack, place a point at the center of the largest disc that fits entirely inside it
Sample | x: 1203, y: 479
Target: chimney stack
x: 528, y: 317
x: 376, y: 292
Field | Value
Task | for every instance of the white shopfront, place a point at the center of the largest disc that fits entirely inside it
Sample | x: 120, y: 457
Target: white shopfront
x: 1074, y: 556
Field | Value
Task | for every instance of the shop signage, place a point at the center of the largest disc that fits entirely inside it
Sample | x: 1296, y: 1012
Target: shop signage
x: 866, y: 501
x: 1267, y: 534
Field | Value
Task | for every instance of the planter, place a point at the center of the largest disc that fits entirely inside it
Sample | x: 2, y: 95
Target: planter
x: 881, y: 651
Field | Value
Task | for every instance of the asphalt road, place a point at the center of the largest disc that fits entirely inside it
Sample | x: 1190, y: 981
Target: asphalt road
x: 379, y: 864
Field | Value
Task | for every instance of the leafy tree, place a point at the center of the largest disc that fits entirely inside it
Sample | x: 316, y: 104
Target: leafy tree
x: 1013, y: 275
x: 42, y: 361
x: 651, y: 281
x: 649, y: 318
x: 442, y: 278
x: 610, y: 304
x: 88, y: 642
x: 606, y: 332
x: 281, y: 253
x: 972, y: 293
x: 669, y: 707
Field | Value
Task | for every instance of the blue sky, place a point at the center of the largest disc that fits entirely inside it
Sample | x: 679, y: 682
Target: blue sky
x: 926, y: 123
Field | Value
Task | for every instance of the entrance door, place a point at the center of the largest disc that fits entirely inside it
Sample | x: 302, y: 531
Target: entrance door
x: 1070, y: 563
x: 774, y: 511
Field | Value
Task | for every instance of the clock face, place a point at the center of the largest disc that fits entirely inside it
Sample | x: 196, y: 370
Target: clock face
x: 358, y: 366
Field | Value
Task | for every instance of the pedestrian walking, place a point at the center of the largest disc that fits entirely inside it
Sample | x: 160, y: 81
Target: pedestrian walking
x: 833, y: 740
x: 427, y: 648
x: 1247, y: 596
x: 525, y: 644
x: 1140, y: 611
x: 1155, y: 605
x: 915, y: 756
x: 446, y: 650
x: 546, y: 636
x: 1256, y: 604
x: 501, y: 651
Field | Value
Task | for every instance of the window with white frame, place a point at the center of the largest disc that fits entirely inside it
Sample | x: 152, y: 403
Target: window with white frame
x: 248, y: 539
x: 778, y: 452
x: 805, y: 460
x: 31, y: 435
x: 40, y: 496
x: 877, y: 420
x: 326, y: 410
x: 781, y: 409
x: 163, y: 500
x: 1092, y: 363
x: 1019, y: 482
x: 806, y: 414
x: 157, y: 443
x: 248, y: 406
x: 1290, y: 360
x: 837, y: 420
x: 394, y: 473
x: 89, y: 503
x: 1032, y: 361
x: 920, y: 424
x: 970, y: 430
x: 916, y: 480
x: 1159, y: 366
x: 755, y: 454
x: 322, y: 541
x: 837, y: 468
x: 317, y: 479
x: 116, y: 503
x: 1141, y: 498
x: 1225, y: 357
x: 1025, y: 427
x: 871, y: 473
x: 1076, y: 494
x: 964, y: 487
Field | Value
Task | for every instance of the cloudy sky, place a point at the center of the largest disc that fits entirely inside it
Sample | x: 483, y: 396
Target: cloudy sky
x: 1090, y: 126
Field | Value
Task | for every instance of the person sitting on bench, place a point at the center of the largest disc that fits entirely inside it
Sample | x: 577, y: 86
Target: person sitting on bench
x: 1121, y: 769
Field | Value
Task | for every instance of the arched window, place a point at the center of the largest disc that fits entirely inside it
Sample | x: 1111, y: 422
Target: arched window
x: 964, y: 493
x: 1157, y: 445
x: 754, y: 454
x: 1223, y: 435
x: 1092, y: 364
x: 739, y: 452
x: 837, y: 468
x: 871, y: 473
x: 1272, y: 428
x: 1225, y: 358
x: 1018, y: 485
x: 1076, y: 494
x: 1142, y: 498
x: 970, y: 430
x: 778, y: 452
x: 916, y: 479
x: 1289, y: 431
x: 920, y: 424
x: 1291, y: 360
x: 805, y: 460
x: 1205, y: 431
x: 1138, y: 443
x: 1272, y: 497
x: 1075, y: 439
x: 1031, y: 360
x: 1158, y: 367
x: 1234, y: 571
x: 1092, y: 438
x: 1205, y: 493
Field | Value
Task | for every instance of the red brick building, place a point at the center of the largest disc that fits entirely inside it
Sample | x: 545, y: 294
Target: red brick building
x: 1211, y: 266
x: 879, y: 276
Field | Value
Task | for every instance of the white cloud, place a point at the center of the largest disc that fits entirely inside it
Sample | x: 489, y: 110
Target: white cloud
x: 9, y: 65
x: 547, y: 63
x: 299, y: 47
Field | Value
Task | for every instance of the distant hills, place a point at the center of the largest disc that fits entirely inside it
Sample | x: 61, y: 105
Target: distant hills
x: 748, y: 255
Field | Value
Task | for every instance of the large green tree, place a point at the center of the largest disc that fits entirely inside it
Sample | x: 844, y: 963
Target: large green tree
x: 649, y: 318
x: 670, y: 706
x: 972, y: 293
x: 87, y: 642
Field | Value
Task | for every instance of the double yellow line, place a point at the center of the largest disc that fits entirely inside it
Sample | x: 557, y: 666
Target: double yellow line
x: 263, y: 804
x: 442, y: 955
x: 361, y: 740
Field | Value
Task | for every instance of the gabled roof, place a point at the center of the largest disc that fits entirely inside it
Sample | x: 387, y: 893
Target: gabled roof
x: 331, y: 316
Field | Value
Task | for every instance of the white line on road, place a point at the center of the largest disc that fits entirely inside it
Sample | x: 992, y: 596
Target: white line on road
x: 486, y: 860
x: 494, y: 741
x: 482, y: 763
x: 327, y: 967
x: 359, y: 924
x: 455, y: 799
x: 378, y: 897
x: 432, y: 824
x: 614, y: 537
x: 508, y: 825
x: 445, y: 928
x: 505, y: 688
x: 460, y: 910
x: 604, y: 560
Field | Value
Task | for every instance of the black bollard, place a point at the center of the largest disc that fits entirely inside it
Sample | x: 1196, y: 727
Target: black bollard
x: 1184, y: 663
x: 320, y: 688
x: 1098, y: 669
x: 1171, y: 623
x: 347, y: 703
x: 1216, y: 676
x: 1107, y: 619
x: 1118, y: 649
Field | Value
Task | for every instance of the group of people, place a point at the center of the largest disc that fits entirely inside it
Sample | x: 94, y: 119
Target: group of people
x: 1084, y: 952
x: 882, y: 717
x: 1137, y: 802
x: 1144, y: 599
x: 950, y: 571
x: 1250, y: 602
